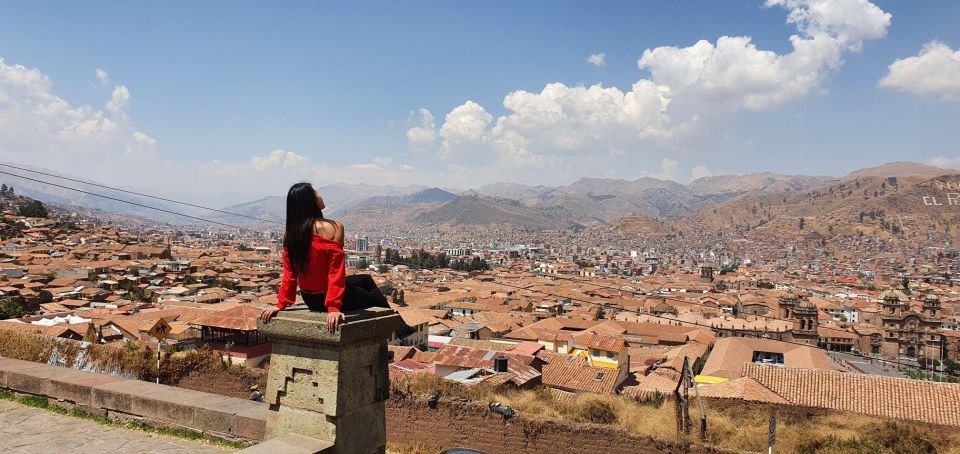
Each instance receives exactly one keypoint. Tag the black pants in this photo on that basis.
(361, 292)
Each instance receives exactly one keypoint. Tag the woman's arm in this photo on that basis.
(336, 280)
(287, 295)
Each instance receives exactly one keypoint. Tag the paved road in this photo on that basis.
(870, 367)
(30, 430)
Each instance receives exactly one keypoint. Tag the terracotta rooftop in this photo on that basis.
(243, 318)
(731, 353)
(876, 395)
(573, 374)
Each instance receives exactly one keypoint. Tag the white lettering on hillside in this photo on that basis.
(953, 198)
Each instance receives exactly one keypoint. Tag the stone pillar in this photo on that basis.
(327, 386)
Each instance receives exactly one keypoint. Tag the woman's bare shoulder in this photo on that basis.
(329, 229)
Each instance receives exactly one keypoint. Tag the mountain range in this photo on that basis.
(647, 202)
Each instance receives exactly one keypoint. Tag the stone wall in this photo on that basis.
(409, 421)
(134, 400)
(472, 425)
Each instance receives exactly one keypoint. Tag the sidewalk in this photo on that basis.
(30, 430)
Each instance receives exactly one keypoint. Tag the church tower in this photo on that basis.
(931, 306)
(891, 303)
(805, 322)
(788, 302)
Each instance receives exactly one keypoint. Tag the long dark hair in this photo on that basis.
(302, 213)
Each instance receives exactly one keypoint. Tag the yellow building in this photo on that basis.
(603, 351)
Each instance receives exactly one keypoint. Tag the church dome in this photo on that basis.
(789, 297)
(894, 295)
(806, 304)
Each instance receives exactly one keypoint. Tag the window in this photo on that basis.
(609, 354)
(761, 357)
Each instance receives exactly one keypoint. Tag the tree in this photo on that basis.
(952, 366)
(802, 223)
(378, 252)
(45, 296)
(32, 209)
(906, 285)
(388, 287)
(363, 264)
(10, 309)
(599, 314)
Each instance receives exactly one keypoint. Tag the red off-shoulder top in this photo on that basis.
(326, 273)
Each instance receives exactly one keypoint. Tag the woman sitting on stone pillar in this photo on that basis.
(313, 260)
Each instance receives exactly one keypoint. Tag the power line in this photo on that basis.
(124, 201)
(757, 334)
(112, 188)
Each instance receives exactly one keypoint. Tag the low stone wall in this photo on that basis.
(472, 425)
(409, 421)
(134, 400)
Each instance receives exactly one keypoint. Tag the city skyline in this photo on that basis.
(227, 100)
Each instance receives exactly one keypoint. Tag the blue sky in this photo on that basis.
(337, 85)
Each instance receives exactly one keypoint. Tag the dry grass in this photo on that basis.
(731, 425)
(417, 448)
(200, 369)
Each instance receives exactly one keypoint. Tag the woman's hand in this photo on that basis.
(334, 319)
(267, 314)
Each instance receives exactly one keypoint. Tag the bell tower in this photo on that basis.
(805, 322)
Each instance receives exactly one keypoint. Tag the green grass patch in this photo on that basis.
(35, 401)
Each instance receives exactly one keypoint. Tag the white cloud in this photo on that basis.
(669, 170)
(277, 159)
(40, 128)
(733, 73)
(935, 71)
(102, 77)
(119, 100)
(689, 90)
(699, 172)
(945, 162)
(423, 136)
(464, 127)
(597, 59)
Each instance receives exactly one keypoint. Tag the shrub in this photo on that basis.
(596, 410)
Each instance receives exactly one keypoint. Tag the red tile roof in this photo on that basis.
(876, 395)
(574, 374)
(243, 318)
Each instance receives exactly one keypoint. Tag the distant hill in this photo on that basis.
(60, 195)
(431, 195)
(339, 198)
(886, 207)
(394, 209)
(515, 191)
(641, 224)
(474, 210)
(720, 187)
(270, 208)
(899, 169)
(766, 199)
